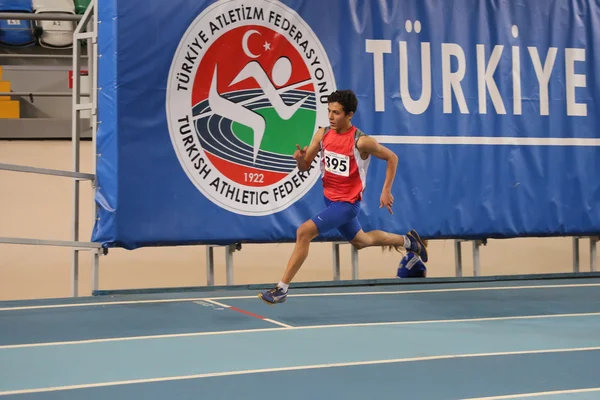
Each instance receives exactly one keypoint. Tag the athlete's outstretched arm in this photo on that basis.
(370, 146)
(304, 157)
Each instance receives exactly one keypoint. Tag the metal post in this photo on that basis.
(90, 68)
(75, 273)
(94, 67)
(95, 269)
(458, 258)
(92, 95)
(46, 171)
(40, 16)
(38, 56)
(476, 264)
(354, 257)
(43, 242)
(75, 136)
(593, 241)
(575, 254)
(336, 261)
(229, 263)
(92, 60)
(36, 94)
(210, 266)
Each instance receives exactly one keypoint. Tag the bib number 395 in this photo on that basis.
(338, 164)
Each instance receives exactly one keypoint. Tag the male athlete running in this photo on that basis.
(345, 156)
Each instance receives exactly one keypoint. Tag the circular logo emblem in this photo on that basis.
(249, 81)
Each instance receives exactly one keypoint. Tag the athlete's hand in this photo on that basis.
(386, 200)
(300, 153)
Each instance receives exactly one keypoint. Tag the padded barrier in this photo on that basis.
(491, 107)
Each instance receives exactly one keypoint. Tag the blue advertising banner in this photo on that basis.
(491, 107)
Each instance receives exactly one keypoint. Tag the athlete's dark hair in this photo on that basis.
(346, 98)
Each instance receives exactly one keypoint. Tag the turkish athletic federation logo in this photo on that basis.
(248, 81)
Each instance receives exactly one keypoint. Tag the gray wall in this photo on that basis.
(31, 78)
(41, 117)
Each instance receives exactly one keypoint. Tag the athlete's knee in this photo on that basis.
(358, 245)
(307, 231)
(361, 240)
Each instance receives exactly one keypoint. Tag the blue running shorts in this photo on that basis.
(340, 215)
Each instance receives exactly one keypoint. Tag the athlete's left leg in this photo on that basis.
(360, 239)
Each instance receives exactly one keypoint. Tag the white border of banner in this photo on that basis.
(486, 140)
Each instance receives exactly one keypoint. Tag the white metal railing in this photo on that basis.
(42, 16)
(354, 264)
(88, 20)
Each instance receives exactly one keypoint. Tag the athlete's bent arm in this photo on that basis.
(304, 157)
(370, 146)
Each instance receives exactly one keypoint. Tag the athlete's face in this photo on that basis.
(338, 119)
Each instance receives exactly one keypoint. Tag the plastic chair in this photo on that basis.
(16, 32)
(55, 34)
(81, 6)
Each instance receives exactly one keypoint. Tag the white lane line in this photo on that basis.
(295, 368)
(537, 394)
(278, 323)
(247, 313)
(307, 327)
(420, 291)
(147, 337)
(191, 299)
(216, 303)
(99, 304)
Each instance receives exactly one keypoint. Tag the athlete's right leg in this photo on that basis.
(411, 241)
(331, 217)
(353, 233)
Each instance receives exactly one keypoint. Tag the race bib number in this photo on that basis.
(338, 164)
